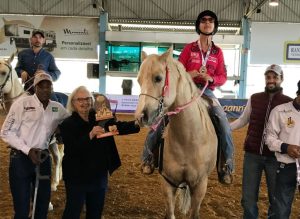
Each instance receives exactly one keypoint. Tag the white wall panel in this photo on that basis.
(267, 41)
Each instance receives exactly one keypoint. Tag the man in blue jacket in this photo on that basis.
(31, 60)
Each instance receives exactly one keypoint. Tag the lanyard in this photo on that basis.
(204, 59)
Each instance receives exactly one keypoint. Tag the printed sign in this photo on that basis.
(69, 37)
(292, 53)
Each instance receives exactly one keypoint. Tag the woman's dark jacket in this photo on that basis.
(87, 160)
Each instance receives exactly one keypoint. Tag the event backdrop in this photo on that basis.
(66, 37)
(128, 103)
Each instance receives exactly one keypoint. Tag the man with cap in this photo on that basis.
(258, 158)
(27, 129)
(31, 60)
(283, 137)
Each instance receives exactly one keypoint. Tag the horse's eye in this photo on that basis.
(157, 79)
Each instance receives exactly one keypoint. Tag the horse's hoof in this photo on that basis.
(147, 169)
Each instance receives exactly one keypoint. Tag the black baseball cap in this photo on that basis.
(34, 32)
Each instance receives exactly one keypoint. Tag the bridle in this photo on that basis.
(165, 92)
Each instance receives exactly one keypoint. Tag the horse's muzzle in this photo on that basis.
(144, 118)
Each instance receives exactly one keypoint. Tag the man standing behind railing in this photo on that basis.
(31, 60)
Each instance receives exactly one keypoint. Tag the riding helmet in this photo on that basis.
(207, 13)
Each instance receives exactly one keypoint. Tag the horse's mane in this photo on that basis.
(185, 80)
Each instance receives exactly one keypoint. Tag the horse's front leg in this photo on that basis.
(169, 195)
(53, 147)
(197, 195)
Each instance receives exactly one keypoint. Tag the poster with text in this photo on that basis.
(65, 37)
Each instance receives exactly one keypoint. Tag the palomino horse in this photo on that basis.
(190, 149)
(10, 90)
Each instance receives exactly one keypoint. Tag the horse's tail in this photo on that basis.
(184, 199)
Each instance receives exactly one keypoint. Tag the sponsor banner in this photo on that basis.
(233, 107)
(65, 37)
(128, 103)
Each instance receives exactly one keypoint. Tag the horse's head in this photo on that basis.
(10, 86)
(157, 80)
(5, 75)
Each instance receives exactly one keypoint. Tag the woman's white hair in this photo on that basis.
(70, 106)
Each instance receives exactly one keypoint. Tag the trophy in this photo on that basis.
(103, 115)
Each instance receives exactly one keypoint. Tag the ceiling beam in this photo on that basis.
(259, 5)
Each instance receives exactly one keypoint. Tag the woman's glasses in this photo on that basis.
(82, 100)
(204, 20)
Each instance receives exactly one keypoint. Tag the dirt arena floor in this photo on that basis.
(132, 195)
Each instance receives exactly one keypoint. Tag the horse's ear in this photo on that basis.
(169, 54)
(144, 56)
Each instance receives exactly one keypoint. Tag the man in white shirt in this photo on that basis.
(283, 137)
(27, 129)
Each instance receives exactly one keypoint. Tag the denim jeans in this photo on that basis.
(22, 182)
(285, 190)
(152, 140)
(226, 142)
(91, 194)
(254, 166)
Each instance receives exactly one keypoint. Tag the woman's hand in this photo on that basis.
(97, 130)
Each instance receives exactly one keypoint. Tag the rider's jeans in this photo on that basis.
(22, 182)
(152, 141)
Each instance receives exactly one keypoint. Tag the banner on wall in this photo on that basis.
(292, 51)
(66, 37)
(128, 103)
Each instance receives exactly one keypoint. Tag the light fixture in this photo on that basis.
(273, 3)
